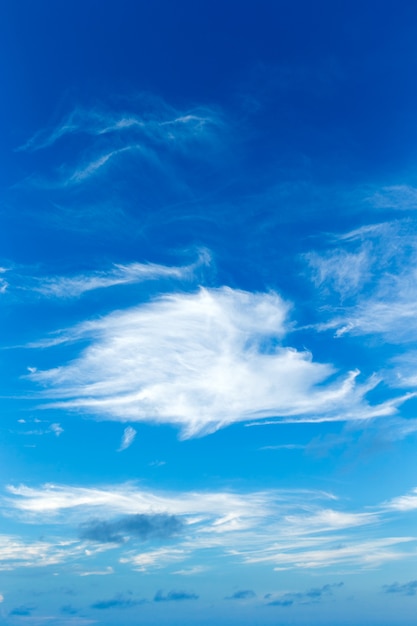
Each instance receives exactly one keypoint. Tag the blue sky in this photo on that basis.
(208, 288)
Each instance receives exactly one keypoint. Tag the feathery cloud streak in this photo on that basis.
(202, 361)
(74, 286)
(128, 438)
(159, 122)
(283, 529)
(152, 136)
(372, 270)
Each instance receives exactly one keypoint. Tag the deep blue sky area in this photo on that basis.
(208, 286)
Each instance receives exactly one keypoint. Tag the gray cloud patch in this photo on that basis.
(173, 596)
(304, 597)
(406, 589)
(243, 594)
(119, 601)
(158, 526)
(23, 610)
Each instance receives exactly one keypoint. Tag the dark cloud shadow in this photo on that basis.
(406, 589)
(311, 596)
(120, 601)
(22, 611)
(174, 596)
(243, 594)
(144, 527)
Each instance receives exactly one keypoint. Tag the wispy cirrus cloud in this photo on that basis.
(150, 135)
(128, 438)
(280, 529)
(92, 167)
(338, 552)
(203, 361)
(3, 282)
(63, 502)
(372, 269)
(16, 552)
(404, 503)
(154, 559)
(400, 197)
(119, 274)
(192, 571)
(157, 121)
(108, 571)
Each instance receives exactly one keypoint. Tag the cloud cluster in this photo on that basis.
(141, 526)
(151, 133)
(304, 597)
(243, 594)
(158, 122)
(406, 589)
(174, 596)
(23, 610)
(397, 197)
(119, 274)
(202, 361)
(3, 282)
(17, 552)
(120, 601)
(373, 270)
(281, 529)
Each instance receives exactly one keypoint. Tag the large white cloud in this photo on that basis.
(202, 361)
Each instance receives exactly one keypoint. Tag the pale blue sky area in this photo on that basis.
(208, 243)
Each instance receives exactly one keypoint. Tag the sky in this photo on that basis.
(208, 286)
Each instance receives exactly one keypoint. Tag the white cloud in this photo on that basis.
(54, 428)
(15, 552)
(365, 554)
(396, 320)
(157, 122)
(375, 267)
(91, 168)
(151, 135)
(286, 529)
(407, 502)
(162, 557)
(119, 274)
(398, 197)
(192, 571)
(129, 435)
(202, 361)
(53, 500)
(4, 285)
(345, 272)
(104, 572)
(57, 429)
